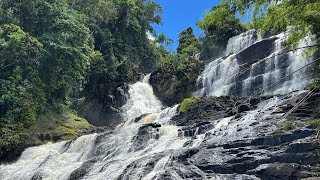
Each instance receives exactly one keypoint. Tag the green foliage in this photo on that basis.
(50, 125)
(287, 125)
(180, 70)
(66, 41)
(188, 43)
(315, 123)
(163, 40)
(119, 29)
(256, 7)
(219, 25)
(22, 94)
(53, 52)
(187, 102)
(301, 16)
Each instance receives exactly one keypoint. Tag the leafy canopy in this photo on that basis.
(219, 25)
(188, 43)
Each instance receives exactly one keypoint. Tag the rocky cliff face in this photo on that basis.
(252, 142)
(106, 113)
(172, 85)
(167, 90)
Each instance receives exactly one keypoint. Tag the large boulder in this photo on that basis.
(107, 113)
(207, 109)
(166, 89)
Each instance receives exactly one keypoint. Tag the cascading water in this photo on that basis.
(123, 153)
(242, 41)
(217, 77)
(141, 101)
(148, 145)
(142, 151)
(256, 67)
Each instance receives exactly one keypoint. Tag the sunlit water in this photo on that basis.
(274, 74)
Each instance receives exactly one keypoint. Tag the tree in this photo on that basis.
(178, 72)
(22, 94)
(301, 16)
(219, 25)
(66, 41)
(257, 7)
(188, 43)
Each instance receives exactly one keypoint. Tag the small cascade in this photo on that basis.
(259, 66)
(141, 100)
(217, 77)
(241, 41)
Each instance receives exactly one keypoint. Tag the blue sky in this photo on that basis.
(179, 14)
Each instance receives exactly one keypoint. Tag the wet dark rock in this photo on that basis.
(207, 109)
(136, 170)
(171, 86)
(259, 149)
(107, 112)
(282, 171)
(139, 76)
(275, 171)
(256, 52)
(243, 108)
(187, 154)
(82, 170)
(121, 94)
(37, 176)
(282, 138)
(199, 128)
(145, 133)
(302, 147)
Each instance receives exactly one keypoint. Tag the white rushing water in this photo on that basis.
(241, 41)
(274, 74)
(218, 76)
(141, 100)
(137, 151)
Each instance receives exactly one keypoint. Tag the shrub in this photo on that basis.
(187, 102)
(287, 125)
(314, 124)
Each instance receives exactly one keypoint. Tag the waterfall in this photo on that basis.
(113, 155)
(148, 145)
(241, 41)
(141, 100)
(217, 77)
(256, 66)
(145, 151)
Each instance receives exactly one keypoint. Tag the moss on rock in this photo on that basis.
(50, 127)
(187, 102)
(55, 127)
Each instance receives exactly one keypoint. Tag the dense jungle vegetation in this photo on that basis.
(54, 53)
